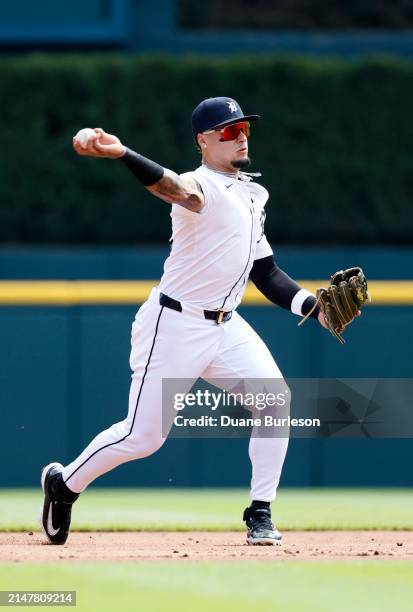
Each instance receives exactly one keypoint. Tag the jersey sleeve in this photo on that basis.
(204, 187)
(263, 248)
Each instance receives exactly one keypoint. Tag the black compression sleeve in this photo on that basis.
(146, 171)
(277, 286)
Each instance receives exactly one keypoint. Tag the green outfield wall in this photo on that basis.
(64, 372)
(334, 144)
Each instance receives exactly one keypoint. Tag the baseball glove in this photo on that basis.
(343, 299)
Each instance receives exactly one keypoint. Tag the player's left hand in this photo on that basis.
(322, 321)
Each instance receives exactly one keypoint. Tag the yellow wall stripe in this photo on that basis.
(72, 293)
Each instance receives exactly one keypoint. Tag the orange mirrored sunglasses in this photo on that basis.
(231, 132)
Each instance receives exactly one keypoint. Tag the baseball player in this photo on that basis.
(189, 327)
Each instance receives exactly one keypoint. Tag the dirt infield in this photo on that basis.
(155, 546)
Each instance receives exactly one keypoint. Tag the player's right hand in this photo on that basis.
(100, 145)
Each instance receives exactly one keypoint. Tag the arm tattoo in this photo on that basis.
(174, 189)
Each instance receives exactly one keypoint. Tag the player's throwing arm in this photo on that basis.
(160, 181)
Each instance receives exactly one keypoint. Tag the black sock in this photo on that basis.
(259, 504)
(62, 492)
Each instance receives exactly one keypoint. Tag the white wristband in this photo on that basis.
(298, 301)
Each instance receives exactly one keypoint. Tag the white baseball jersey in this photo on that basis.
(212, 255)
(213, 251)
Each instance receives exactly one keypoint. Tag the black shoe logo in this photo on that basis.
(228, 186)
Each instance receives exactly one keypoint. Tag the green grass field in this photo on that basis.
(180, 586)
(216, 509)
(224, 587)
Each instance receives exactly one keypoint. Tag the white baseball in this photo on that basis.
(84, 135)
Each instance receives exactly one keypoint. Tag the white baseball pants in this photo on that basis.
(171, 344)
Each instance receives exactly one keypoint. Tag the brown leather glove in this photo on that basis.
(341, 302)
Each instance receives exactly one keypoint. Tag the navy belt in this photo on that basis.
(219, 316)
